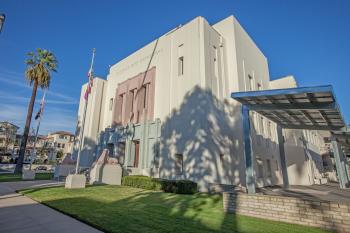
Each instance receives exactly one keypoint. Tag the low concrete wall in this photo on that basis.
(327, 215)
(106, 174)
(64, 170)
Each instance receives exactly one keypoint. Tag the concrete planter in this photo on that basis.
(75, 181)
(28, 175)
(106, 174)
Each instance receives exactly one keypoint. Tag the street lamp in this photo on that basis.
(2, 21)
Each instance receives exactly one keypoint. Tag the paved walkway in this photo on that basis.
(324, 192)
(21, 214)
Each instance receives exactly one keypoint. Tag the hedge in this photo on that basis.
(143, 182)
(169, 186)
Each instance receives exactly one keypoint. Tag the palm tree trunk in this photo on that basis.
(22, 149)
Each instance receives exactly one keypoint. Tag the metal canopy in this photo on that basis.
(343, 139)
(312, 108)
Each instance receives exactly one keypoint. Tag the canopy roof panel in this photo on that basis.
(296, 108)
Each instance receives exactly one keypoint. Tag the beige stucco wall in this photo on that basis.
(94, 113)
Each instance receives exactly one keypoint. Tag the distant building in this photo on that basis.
(7, 138)
(59, 141)
(46, 147)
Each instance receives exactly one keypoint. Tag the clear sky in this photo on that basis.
(308, 39)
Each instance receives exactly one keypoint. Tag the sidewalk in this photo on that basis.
(21, 214)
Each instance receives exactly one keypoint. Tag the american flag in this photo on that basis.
(90, 84)
(41, 110)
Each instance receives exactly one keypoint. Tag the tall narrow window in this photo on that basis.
(178, 164)
(110, 104)
(260, 170)
(277, 168)
(181, 66)
(269, 132)
(216, 67)
(132, 96)
(180, 60)
(145, 96)
(269, 170)
(250, 83)
(261, 125)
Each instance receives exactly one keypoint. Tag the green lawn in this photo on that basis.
(18, 177)
(127, 209)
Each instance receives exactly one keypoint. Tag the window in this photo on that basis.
(59, 145)
(216, 67)
(259, 86)
(250, 83)
(277, 167)
(178, 164)
(269, 129)
(61, 136)
(269, 170)
(132, 96)
(222, 158)
(261, 125)
(63, 145)
(121, 152)
(181, 66)
(145, 96)
(260, 170)
(110, 104)
(180, 62)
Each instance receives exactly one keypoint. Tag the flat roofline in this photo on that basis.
(284, 91)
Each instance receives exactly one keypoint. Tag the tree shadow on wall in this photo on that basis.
(206, 132)
(88, 151)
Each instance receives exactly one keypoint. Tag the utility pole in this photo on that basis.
(33, 157)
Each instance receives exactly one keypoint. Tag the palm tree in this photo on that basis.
(40, 65)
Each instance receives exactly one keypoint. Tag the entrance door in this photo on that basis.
(137, 153)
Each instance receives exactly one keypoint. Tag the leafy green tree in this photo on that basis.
(40, 65)
(59, 154)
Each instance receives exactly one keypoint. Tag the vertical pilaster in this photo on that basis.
(339, 164)
(282, 153)
(248, 152)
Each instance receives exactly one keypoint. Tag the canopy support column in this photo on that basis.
(248, 152)
(340, 164)
(282, 157)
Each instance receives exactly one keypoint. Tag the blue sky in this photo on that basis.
(308, 39)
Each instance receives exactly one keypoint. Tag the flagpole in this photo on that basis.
(81, 136)
(37, 130)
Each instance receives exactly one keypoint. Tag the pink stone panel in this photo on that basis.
(135, 91)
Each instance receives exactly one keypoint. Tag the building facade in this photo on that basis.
(166, 111)
(59, 141)
(7, 139)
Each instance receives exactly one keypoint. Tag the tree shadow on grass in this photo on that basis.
(147, 211)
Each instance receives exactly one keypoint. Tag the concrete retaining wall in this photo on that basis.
(327, 215)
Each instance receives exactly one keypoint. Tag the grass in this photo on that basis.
(18, 177)
(127, 209)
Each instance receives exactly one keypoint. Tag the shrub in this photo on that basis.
(185, 187)
(143, 182)
(169, 186)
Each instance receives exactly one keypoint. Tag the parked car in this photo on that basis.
(41, 168)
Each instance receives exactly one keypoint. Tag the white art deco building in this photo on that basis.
(166, 111)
